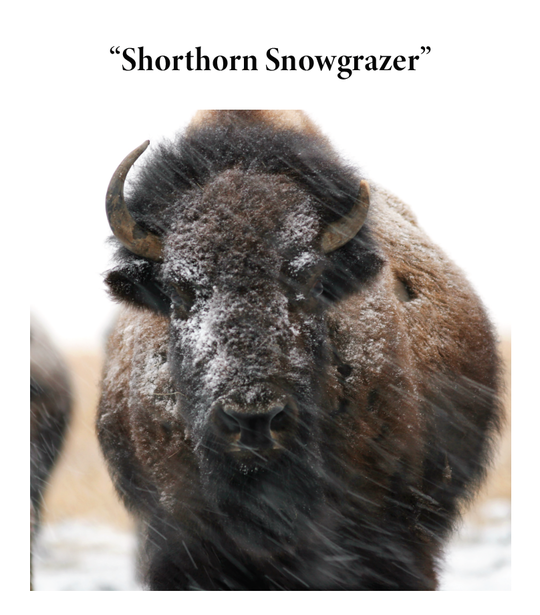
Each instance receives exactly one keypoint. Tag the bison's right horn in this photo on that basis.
(342, 231)
(124, 227)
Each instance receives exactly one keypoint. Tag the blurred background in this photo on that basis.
(446, 139)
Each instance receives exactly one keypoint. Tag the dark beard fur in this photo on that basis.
(265, 509)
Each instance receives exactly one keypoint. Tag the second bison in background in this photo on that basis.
(51, 406)
(301, 389)
(51, 402)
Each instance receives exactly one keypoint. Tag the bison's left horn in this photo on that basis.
(342, 231)
(124, 227)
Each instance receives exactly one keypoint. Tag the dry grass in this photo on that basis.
(80, 486)
(499, 484)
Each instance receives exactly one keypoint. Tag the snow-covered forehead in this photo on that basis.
(241, 222)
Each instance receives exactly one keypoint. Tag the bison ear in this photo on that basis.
(137, 286)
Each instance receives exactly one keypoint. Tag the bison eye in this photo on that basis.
(181, 299)
(317, 289)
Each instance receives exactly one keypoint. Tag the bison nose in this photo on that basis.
(253, 429)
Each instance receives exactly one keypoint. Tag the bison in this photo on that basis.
(51, 403)
(301, 390)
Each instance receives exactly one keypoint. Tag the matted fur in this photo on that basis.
(394, 369)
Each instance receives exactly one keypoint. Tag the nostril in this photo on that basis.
(281, 419)
(278, 422)
(226, 423)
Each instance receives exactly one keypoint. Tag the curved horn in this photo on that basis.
(344, 229)
(124, 227)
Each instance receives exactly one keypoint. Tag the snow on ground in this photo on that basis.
(478, 558)
(76, 555)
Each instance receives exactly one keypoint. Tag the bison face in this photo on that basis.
(247, 347)
(241, 274)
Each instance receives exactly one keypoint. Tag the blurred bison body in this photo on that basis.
(50, 411)
(301, 389)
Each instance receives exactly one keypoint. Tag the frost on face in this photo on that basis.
(155, 378)
(234, 251)
(303, 261)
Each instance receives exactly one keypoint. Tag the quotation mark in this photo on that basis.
(117, 50)
(424, 50)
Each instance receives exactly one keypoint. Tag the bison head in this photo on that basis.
(245, 260)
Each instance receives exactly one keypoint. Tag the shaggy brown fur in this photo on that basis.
(382, 349)
(50, 411)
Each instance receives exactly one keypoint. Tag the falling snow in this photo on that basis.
(78, 556)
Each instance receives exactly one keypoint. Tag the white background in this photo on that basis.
(440, 137)
(457, 139)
